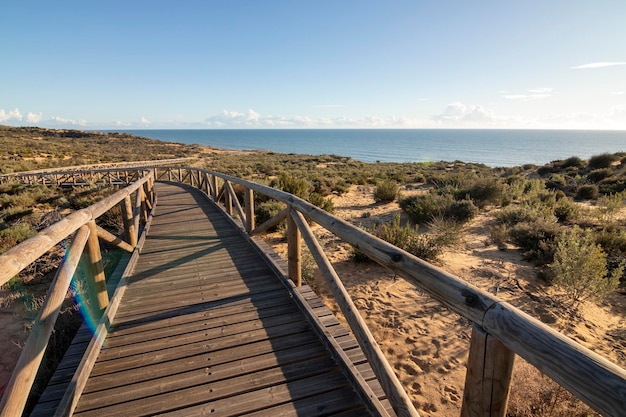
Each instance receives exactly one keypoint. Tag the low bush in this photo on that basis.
(423, 246)
(15, 234)
(587, 192)
(482, 192)
(598, 175)
(604, 160)
(296, 186)
(566, 211)
(572, 161)
(267, 210)
(536, 239)
(325, 204)
(386, 191)
(424, 208)
(580, 266)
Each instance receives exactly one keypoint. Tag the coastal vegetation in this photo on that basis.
(567, 217)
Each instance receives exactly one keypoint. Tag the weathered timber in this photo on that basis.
(399, 399)
(21, 382)
(488, 378)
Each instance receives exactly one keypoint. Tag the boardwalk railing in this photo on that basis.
(81, 227)
(500, 330)
(118, 173)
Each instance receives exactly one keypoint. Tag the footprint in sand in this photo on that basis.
(452, 393)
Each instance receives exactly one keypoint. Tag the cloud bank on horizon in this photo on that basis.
(288, 64)
(455, 115)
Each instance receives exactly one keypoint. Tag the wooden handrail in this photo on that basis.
(21, 381)
(84, 248)
(20, 256)
(592, 378)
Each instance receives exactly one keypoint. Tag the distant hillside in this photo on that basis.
(29, 148)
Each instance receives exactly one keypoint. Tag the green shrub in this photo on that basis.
(572, 161)
(604, 160)
(536, 239)
(587, 192)
(482, 192)
(386, 191)
(407, 238)
(598, 175)
(499, 235)
(296, 186)
(579, 266)
(15, 234)
(325, 204)
(424, 208)
(566, 210)
(460, 211)
(267, 210)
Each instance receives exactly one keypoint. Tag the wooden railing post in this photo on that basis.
(129, 225)
(137, 209)
(96, 280)
(228, 201)
(169, 174)
(294, 251)
(214, 189)
(488, 378)
(248, 197)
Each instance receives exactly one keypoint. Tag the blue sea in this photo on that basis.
(496, 148)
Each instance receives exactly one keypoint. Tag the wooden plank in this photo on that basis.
(276, 347)
(255, 368)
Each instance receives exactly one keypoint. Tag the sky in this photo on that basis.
(155, 64)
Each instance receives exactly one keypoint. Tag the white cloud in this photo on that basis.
(532, 94)
(617, 93)
(458, 114)
(328, 106)
(145, 121)
(10, 115)
(33, 117)
(598, 65)
(56, 120)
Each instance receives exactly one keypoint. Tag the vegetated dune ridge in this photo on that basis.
(426, 344)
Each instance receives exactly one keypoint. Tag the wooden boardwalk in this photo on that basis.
(207, 327)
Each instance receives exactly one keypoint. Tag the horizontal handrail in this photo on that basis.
(95, 167)
(595, 380)
(84, 248)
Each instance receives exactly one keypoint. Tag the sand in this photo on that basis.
(424, 342)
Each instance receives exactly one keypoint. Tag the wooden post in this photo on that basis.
(169, 174)
(488, 378)
(192, 180)
(207, 187)
(180, 175)
(248, 201)
(294, 252)
(228, 201)
(95, 270)
(129, 226)
(137, 209)
(214, 189)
